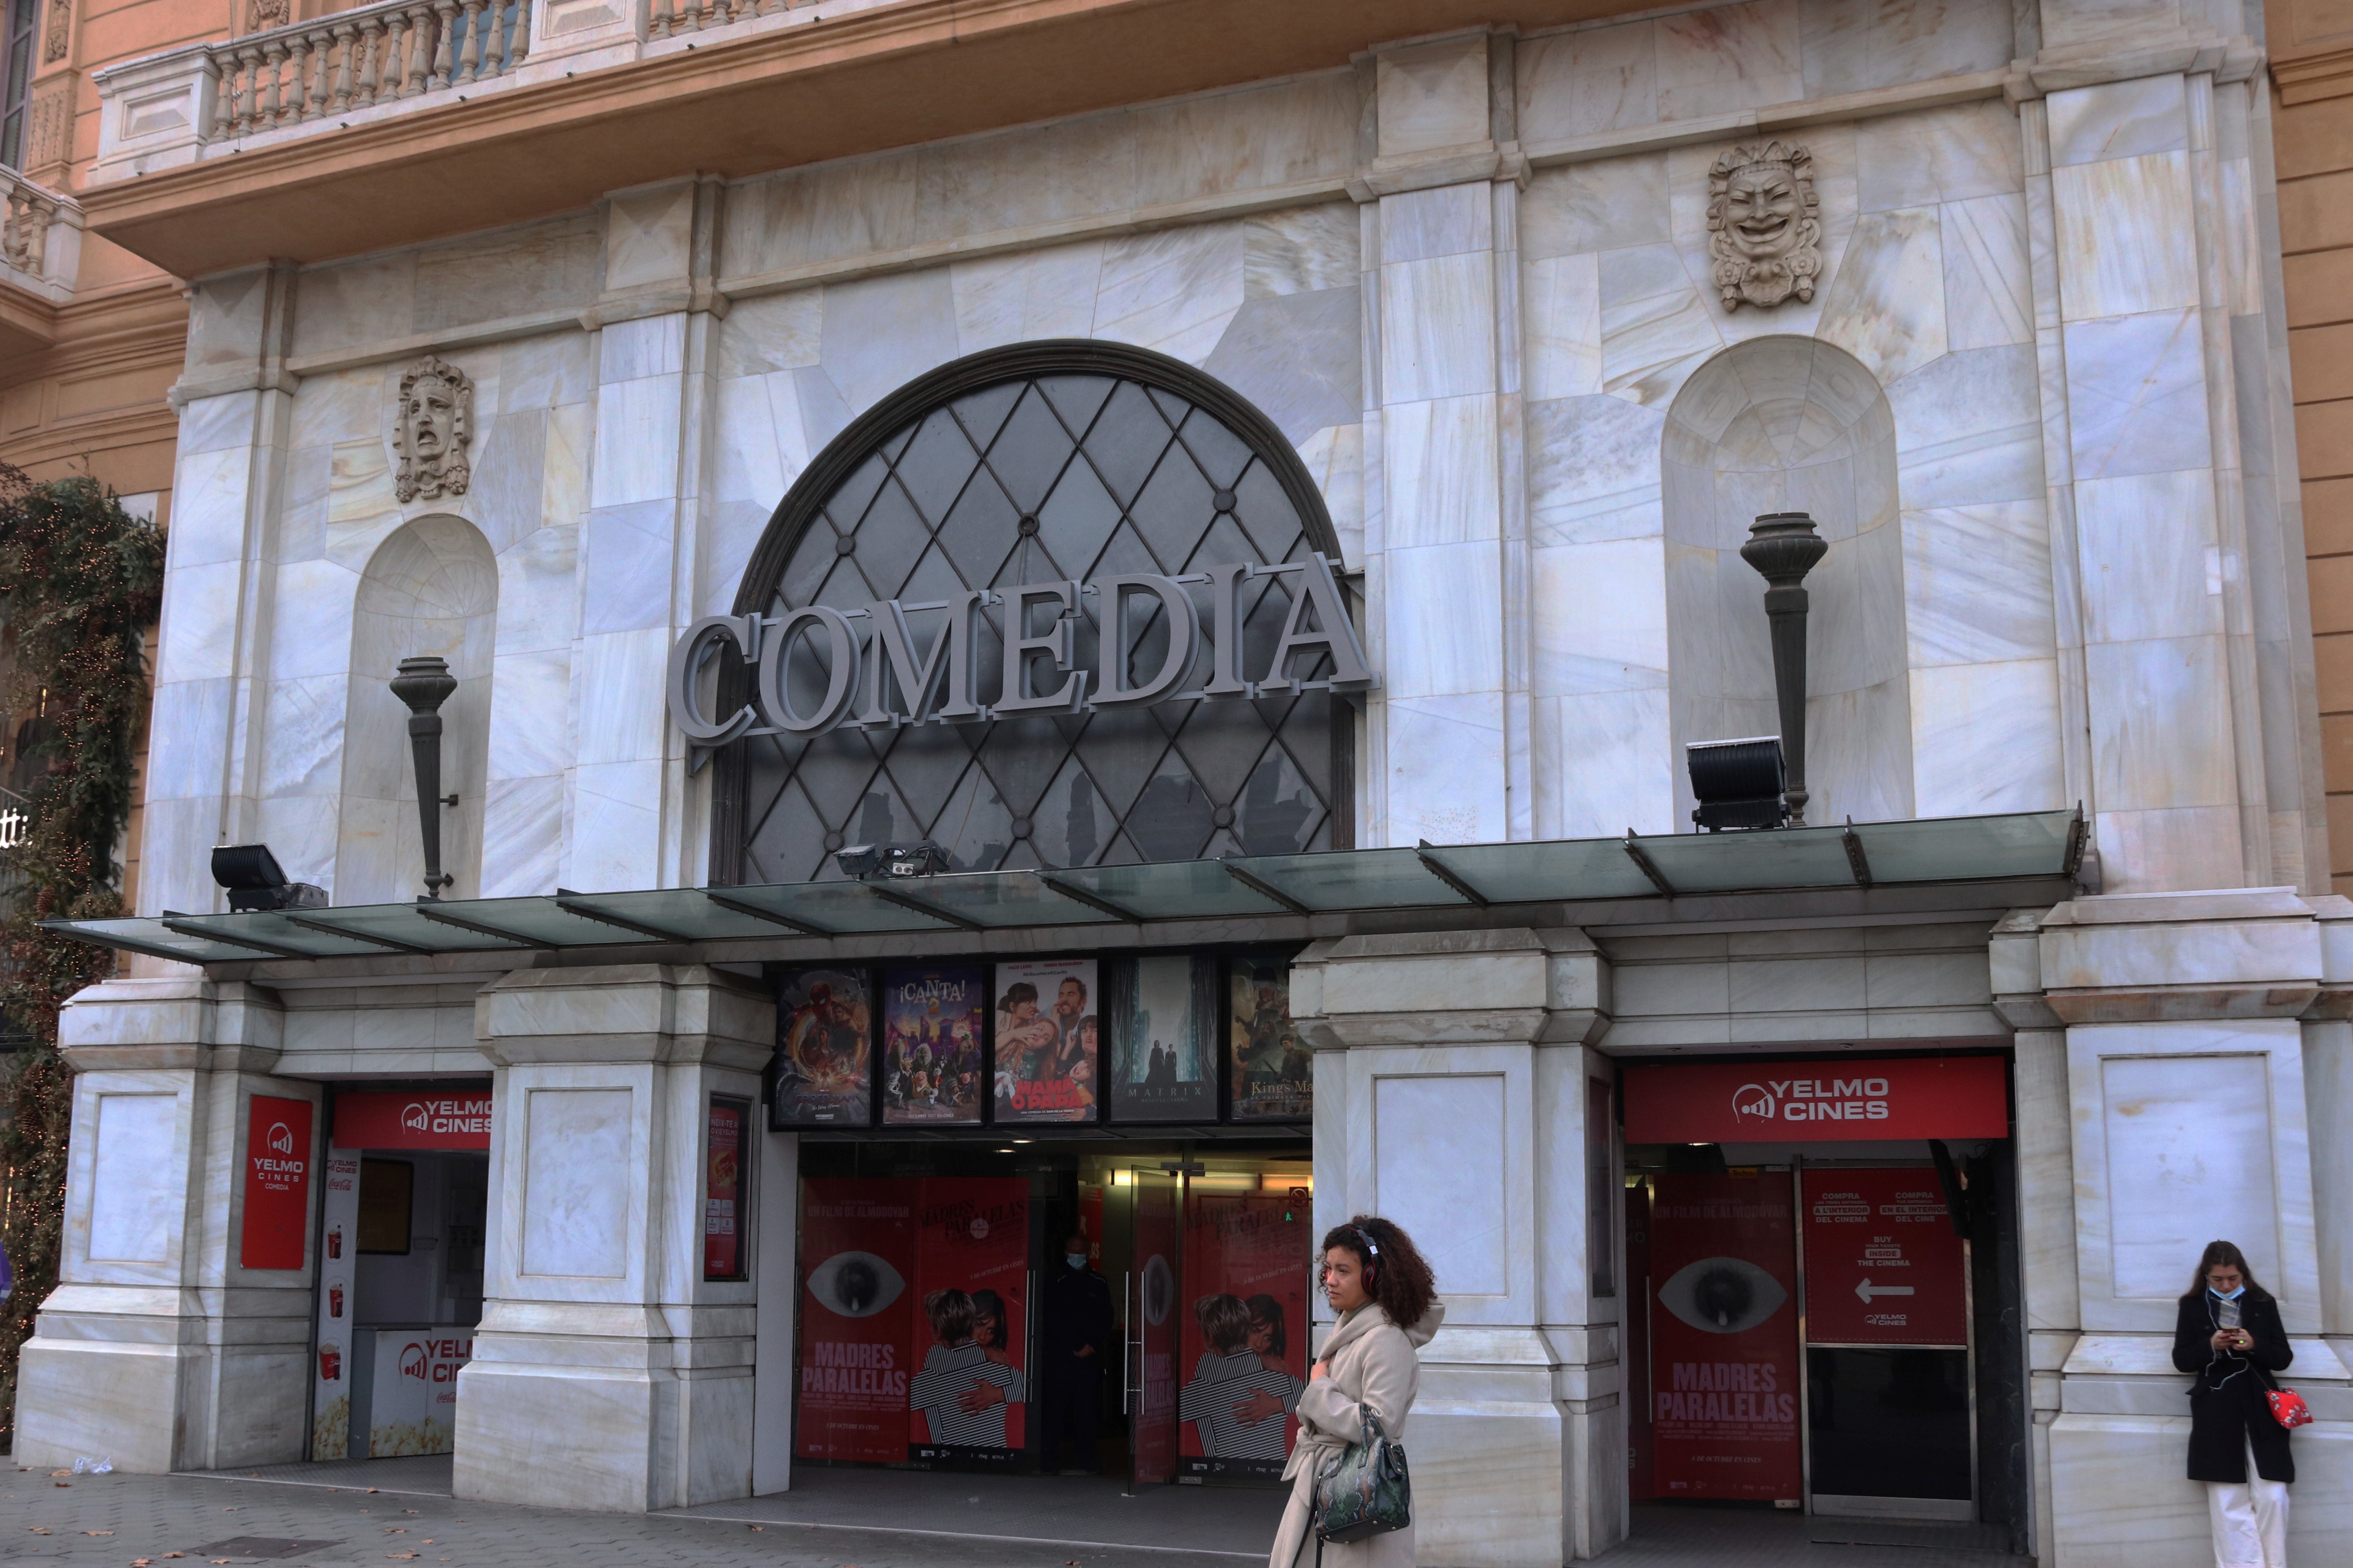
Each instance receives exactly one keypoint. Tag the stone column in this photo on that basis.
(159, 1350)
(1456, 1094)
(1448, 556)
(607, 1373)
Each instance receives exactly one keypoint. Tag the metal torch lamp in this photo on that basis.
(1784, 547)
(425, 683)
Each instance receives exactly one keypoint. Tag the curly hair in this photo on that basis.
(1396, 1275)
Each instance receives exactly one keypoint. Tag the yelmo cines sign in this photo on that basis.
(873, 677)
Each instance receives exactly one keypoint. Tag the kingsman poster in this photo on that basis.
(1273, 1077)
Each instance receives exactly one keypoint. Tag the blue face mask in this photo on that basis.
(2231, 1296)
(1076, 1259)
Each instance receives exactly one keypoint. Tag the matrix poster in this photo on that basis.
(825, 1050)
(1723, 1338)
(1244, 1335)
(1049, 1041)
(858, 1254)
(933, 1023)
(971, 1319)
(1273, 1077)
(1164, 1056)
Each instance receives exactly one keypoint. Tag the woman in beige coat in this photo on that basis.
(1386, 1298)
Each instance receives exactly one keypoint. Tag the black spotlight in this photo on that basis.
(251, 874)
(864, 860)
(1737, 783)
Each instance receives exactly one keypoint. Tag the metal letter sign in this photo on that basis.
(817, 670)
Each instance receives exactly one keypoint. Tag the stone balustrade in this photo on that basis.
(359, 59)
(40, 237)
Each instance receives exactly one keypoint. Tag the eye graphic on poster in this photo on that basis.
(824, 1069)
(1722, 1295)
(1049, 1041)
(855, 1284)
(1159, 1290)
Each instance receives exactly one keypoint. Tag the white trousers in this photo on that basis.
(2249, 1520)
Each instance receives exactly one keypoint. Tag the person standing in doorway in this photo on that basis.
(1078, 1348)
(1388, 1309)
(2229, 1334)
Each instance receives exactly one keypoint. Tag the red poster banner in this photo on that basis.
(1883, 1265)
(1159, 1238)
(1723, 1338)
(971, 1320)
(436, 1118)
(1243, 1334)
(277, 1183)
(1831, 1099)
(857, 1252)
(723, 1189)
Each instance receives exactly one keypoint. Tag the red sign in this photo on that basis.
(1828, 1098)
(1883, 1265)
(858, 1247)
(1723, 1338)
(439, 1119)
(1242, 1335)
(968, 1398)
(723, 1187)
(277, 1183)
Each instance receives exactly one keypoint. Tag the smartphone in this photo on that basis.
(2229, 1316)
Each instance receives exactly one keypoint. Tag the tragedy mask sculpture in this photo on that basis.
(435, 423)
(1764, 224)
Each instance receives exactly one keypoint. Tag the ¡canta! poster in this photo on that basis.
(1723, 1338)
(1244, 1334)
(1163, 1053)
(971, 1319)
(932, 1023)
(1273, 1077)
(1049, 1041)
(825, 1050)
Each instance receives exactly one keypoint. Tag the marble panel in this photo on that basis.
(2162, 849)
(2119, 119)
(136, 1195)
(1172, 290)
(1859, 752)
(310, 619)
(2136, 394)
(636, 443)
(361, 505)
(625, 722)
(1436, 328)
(1937, 156)
(647, 346)
(615, 829)
(731, 529)
(1018, 179)
(1432, 95)
(300, 831)
(550, 266)
(223, 424)
(2162, 726)
(1588, 79)
(1434, 647)
(1600, 615)
(775, 332)
(1445, 774)
(570, 439)
(1656, 325)
(2149, 565)
(838, 210)
(197, 638)
(2126, 235)
(648, 235)
(1985, 738)
(1025, 295)
(2188, 1145)
(1969, 430)
(304, 752)
(576, 1145)
(761, 446)
(1283, 133)
(550, 370)
(1988, 286)
(1886, 303)
(531, 704)
(1853, 45)
(355, 302)
(343, 405)
(1446, 220)
(1561, 308)
(1455, 1203)
(1607, 205)
(1439, 468)
(2118, 1501)
(825, 413)
(1728, 58)
(176, 842)
(209, 492)
(1976, 583)
(1334, 458)
(538, 598)
(1300, 250)
(1593, 470)
(522, 836)
(1297, 357)
(190, 723)
(1609, 764)
(510, 474)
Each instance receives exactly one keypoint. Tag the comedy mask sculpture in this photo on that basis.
(436, 421)
(1764, 224)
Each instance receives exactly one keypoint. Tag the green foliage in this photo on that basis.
(80, 581)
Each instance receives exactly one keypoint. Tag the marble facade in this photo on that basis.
(2036, 399)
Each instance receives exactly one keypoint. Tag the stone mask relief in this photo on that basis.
(435, 423)
(1764, 224)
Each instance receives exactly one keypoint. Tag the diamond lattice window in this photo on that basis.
(1033, 478)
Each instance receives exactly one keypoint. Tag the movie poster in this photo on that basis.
(858, 1254)
(1159, 1242)
(824, 1071)
(971, 1321)
(1723, 1338)
(1163, 1053)
(1243, 1334)
(932, 1021)
(1273, 1075)
(1049, 1041)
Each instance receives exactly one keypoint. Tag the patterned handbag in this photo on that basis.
(2288, 1407)
(1364, 1491)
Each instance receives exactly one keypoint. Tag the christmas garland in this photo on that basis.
(80, 582)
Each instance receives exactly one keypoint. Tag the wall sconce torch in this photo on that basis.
(1784, 547)
(425, 683)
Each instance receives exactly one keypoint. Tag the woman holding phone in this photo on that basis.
(2228, 1333)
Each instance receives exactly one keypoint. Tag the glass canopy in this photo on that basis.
(1339, 881)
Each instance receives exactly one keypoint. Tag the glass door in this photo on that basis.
(1153, 1318)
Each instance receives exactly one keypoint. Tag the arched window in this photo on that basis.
(1045, 462)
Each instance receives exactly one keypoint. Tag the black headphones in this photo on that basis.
(1372, 1249)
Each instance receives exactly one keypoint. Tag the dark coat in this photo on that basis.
(2227, 1408)
(1078, 1313)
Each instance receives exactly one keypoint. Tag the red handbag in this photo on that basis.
(2288, 1407)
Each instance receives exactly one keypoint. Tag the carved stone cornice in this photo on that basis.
(2306, 75)
(2126, 56)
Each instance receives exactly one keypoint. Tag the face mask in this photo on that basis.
(1076, 1259)
(2231, 1296)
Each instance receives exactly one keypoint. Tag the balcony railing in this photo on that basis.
(357, 59)
(40, 237)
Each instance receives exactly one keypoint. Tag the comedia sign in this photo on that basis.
(820, 668)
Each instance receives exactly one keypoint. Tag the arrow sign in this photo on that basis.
(1867, 1290)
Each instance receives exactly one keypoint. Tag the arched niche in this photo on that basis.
(1789, 424)
(1037, 462)
(432, 588)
